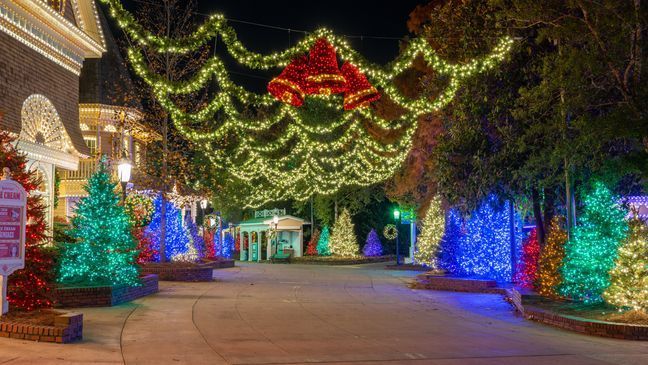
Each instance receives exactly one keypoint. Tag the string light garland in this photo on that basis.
(428, 243)
(303, 159)
(343, 240)
(552, 255)
(323, 248)
(590, 255)
(105, 251)
(527, 268)
(373, 246)
(629, 277)
(390, 232)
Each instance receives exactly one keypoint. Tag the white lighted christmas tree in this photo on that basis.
(429, 242)
(343, 240)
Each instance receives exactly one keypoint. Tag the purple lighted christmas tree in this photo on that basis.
(372, 247)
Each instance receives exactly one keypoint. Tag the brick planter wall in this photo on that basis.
(590, 327)
(104, 296)
(435, 282)
(203, 272)
(220, 264)
(68, 327)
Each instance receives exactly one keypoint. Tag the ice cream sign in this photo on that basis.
(13, 204)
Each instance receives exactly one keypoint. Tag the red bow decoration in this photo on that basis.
(319, 74)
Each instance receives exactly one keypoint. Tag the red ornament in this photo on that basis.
(289, 86)
(324, 76)
(359, 92)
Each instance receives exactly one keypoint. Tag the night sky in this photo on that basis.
(349, 17)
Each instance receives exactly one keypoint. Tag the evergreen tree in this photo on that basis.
(176, 240)
(551, 257)
(373, 246)
(590, 255)
(527, 269)
(105, 251)
(629, 277)
(485, 250)
(228, 246)
(343, 239)
(450, 242)
(323, 248)
(196, 240)
(29, 288)
(311, 249)
(429, 242)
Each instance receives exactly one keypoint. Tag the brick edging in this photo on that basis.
(204, 272)
(587, 326)
(68, 327)
(104, 296)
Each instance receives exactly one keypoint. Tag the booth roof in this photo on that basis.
(268, 220)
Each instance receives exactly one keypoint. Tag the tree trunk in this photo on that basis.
(165, 145)
(549, 208)
(537, 214)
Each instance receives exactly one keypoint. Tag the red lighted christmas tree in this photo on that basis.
(311, 249)
(528, 267)
(31, 287)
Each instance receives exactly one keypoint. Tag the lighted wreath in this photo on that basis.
(315, 131)
(390, 232)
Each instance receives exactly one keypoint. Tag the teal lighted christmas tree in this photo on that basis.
(323, 243)
(105, 252)
(591, 253)
(343, 240)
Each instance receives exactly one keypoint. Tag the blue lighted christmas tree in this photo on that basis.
(590, 254)
(228, 246)
(105, 252)
(485, 249)
(176, 242)
(323, 243)
(372, 247)
(450, 242)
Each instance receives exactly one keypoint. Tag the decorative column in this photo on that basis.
(259, 246)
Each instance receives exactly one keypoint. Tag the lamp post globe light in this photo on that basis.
(124, 172)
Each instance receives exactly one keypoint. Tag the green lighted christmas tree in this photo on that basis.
(590, 255)
(105, 252)
(343, 240)
(323, 248)
(429, 242)
(629, 278)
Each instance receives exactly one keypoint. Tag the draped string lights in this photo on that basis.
(285, 151)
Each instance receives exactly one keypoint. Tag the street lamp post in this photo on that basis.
(275, 221)
(124, 171)
(397, 222)
(203, 206)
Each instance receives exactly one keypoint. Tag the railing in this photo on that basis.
(269, 212)
(86, 168)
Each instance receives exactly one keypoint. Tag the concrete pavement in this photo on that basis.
(293, 314)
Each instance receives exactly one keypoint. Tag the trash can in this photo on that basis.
(254, 252)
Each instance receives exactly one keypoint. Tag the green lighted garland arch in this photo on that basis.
(303, 159)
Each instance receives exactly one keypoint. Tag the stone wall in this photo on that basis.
(171, 272)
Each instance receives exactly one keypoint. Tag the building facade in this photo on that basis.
(43, 47)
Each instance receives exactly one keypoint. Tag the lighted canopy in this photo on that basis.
(280, 151)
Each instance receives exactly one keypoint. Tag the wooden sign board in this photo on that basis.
(13, 220)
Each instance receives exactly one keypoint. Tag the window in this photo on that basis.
(91, 142)
(137, 156)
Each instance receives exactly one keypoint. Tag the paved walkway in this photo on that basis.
(294, 314)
